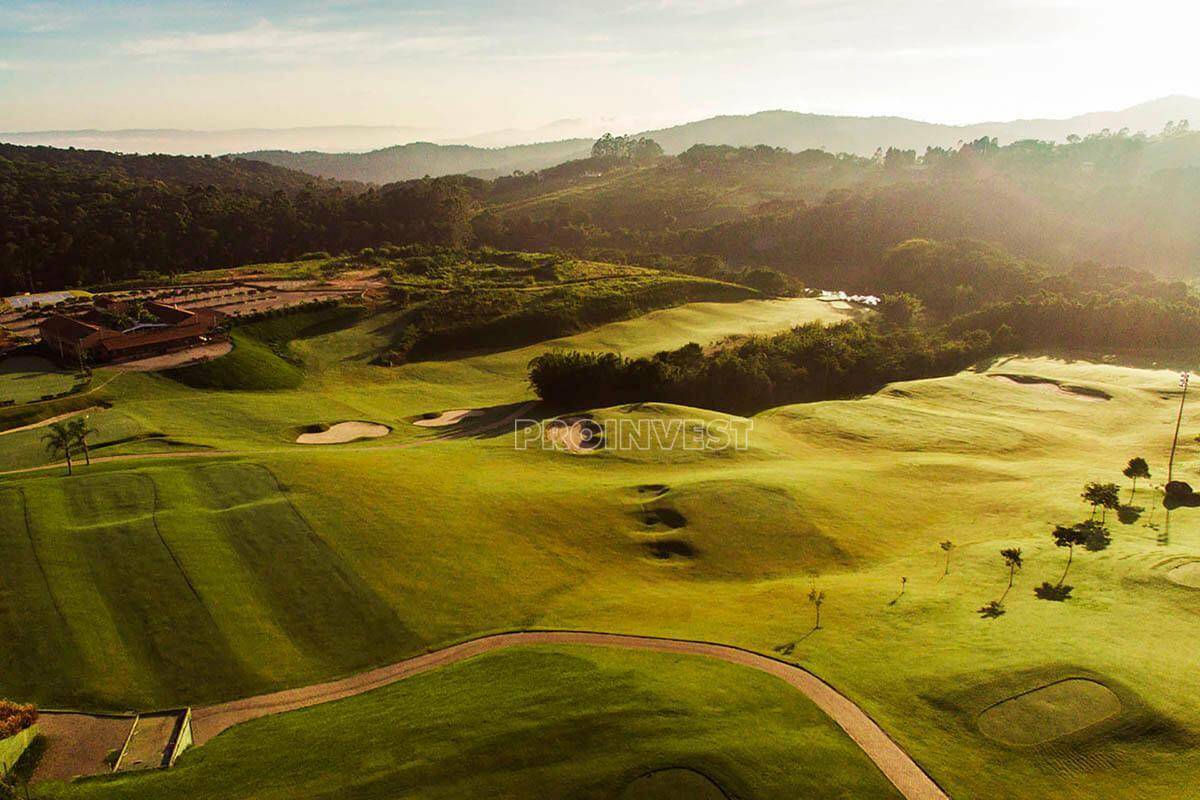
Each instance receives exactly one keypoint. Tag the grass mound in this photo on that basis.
(673, 783)
(1050, 712)
(552, 723)
(251, 366)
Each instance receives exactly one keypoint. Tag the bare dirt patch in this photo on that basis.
(1050, 712)
(344, 432)
(448, 418)
(193, 355)
(77, 744)
(1048, 385)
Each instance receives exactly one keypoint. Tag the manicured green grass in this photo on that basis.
(460, 537)
(531, 722)
(27, 378)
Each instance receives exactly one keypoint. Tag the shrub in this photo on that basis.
(15, 718)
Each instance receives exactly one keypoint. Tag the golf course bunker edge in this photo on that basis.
(672, 783)
(1186, 574)
(1049, 712)
(343, 432)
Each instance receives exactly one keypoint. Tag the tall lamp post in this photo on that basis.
(1183, 384)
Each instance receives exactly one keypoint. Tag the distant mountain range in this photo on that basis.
(302, 148)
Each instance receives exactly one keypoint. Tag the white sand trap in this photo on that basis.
(575, 436)
(447, 418)
(841, 305)
(1047, 385)
(1186, 575)
(345, 432)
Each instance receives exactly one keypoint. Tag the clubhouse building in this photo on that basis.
(121, 330)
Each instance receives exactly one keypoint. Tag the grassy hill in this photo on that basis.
(186, 580)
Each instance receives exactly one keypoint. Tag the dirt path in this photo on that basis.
(51, 420)
(900, 769)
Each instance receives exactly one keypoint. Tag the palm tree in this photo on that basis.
(1138, 468)
(1103, 496)
(59, 439)
(947, 546)
(80, 430)
(817, 598)
(1012, 558)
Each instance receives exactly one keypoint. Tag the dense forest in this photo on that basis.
(83, 217)
(949, 305)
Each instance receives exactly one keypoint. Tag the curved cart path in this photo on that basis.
(900, 769)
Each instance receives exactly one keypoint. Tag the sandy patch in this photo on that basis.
(447, 418)
(51, 420)
(1047, 385)
(345, 432)
(575, 436)
(1186, 575)
(193, 355)
(1050, 712)
(841, 305)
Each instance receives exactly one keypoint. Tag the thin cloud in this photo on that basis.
(265, 40)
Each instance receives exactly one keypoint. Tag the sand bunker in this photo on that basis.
(672, 783)
(447, 418)
(575, 436)
(1045, 384)
(652, 517)
(345, 432)
(1186, 575)
(669, 548)
(1050, 712)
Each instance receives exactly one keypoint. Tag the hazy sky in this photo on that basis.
(467, 66)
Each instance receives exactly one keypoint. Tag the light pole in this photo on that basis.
(1183, 384)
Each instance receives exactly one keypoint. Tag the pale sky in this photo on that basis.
(464, 66)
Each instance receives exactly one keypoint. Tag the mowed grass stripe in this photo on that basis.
(33, 629)
(305, 590)
(137, 622)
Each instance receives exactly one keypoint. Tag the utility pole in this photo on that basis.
(1183, 384)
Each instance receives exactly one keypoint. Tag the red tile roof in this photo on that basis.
(63, 327)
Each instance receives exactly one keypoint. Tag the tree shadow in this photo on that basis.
(1054, 592)
(1127, 515)
(993, 610)
(497, 421)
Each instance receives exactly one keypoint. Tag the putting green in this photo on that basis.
(1050, 712)
(1186, 575)
(674, 783)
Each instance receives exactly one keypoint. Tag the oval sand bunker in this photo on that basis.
(1186, 575)
(345, 432)
(1050, 712)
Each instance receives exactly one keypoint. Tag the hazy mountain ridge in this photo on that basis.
(418, 159)
(791, 130)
